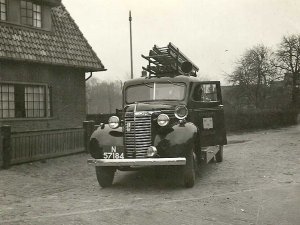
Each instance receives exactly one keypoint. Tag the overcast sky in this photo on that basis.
(213, 34)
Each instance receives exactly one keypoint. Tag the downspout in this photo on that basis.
(91, 74)
(86, 104)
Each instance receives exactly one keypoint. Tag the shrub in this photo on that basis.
(259, 119)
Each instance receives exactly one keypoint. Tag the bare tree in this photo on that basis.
(103, 97)
(253, 74)
(288, 56)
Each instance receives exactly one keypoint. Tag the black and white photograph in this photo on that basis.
(135, 112)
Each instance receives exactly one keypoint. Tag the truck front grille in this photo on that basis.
(169, 112)
(137, 134)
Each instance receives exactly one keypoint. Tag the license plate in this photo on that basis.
(113, 152)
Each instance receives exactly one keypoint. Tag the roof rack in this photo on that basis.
(168, 61)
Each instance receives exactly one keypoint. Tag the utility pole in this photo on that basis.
(131, 61)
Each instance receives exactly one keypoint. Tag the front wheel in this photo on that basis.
(189, 172)
(105, 175)
(219, 155)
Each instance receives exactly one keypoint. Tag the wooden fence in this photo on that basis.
(35, 145)
(20, 147)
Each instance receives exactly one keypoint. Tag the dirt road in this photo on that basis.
(257, 183)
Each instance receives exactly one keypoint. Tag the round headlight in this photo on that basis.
(163, 120)
(181, 112)
(152, 151)
(113, 122)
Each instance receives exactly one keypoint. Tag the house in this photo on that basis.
(43, 61)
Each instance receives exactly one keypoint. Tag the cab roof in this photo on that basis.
(181, 78)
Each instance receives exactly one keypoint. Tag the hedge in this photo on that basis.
(259, 119)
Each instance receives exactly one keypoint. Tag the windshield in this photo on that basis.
(155, 91)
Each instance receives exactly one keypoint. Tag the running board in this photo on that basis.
(209, 152)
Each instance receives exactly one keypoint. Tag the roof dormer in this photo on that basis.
(28, 13)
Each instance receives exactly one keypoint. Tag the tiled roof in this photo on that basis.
(64, 45)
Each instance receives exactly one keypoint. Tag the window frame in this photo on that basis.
(29, 15)
(35, 101)
(204, 94)
(47, 101)
(4, 5)
(5, 104)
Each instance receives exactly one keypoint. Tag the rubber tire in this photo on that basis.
(105, 176)
(189, 171)
(219, 155)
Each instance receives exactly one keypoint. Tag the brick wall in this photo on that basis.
(68, 94)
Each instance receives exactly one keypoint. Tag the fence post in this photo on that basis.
(88, 127)
(6, 144)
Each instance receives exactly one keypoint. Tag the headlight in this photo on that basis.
(163, 120)
(181, 112)
(113, 122)
(152, 151)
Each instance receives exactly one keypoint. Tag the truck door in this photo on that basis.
(206, 111)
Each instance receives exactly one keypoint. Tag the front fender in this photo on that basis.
(176, 140)
(104, 137)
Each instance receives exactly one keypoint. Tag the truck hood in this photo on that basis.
(150, 106)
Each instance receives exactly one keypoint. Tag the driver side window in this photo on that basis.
(205, 93)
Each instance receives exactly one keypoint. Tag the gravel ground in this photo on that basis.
(257, 183)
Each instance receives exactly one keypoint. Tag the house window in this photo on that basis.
(3, 9)
(35, 101)
(31, 13)
(7, 101)
(25, 101)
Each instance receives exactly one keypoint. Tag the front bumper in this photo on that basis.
(138, 162)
